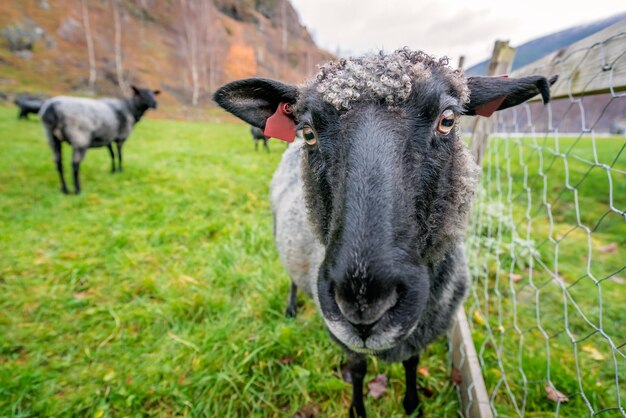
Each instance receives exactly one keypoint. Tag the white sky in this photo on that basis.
(443, 27)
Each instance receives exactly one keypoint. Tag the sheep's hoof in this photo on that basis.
(65, 191)
(357, 411)
(291, 311)
(410, 406)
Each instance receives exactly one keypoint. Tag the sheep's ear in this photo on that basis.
(135, 90)
(254, 99)
(488, 94)
(156, 92)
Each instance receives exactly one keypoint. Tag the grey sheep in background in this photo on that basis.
(371, 206)
(28, 105)
(90, 123)
(257, 135)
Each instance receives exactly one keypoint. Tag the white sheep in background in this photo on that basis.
(371, 206)
(89, 123)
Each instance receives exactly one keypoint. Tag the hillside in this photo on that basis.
(533, 50)
(186, 48)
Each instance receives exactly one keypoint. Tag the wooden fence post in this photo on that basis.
(500, 63)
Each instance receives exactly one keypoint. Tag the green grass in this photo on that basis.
(560, 262)
(158, 291)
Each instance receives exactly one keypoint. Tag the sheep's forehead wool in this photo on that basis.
(388, 77)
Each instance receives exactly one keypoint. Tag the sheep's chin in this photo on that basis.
(373, 344)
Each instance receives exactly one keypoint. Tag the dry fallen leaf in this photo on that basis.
(426, 391)
(456, 376)
(81, 295)
(478, 318)
(187, 280)
(310, 410)
(252, 197)
(378, 386)
(423, 371)
(618, 280)
(555, 395)
(516, 277)
(109, 375)
(609, 248)
(286, 360)
(593, 352)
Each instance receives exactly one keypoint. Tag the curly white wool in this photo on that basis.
(388, 77)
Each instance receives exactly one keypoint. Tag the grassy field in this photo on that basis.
(549, 261)
(158, 291)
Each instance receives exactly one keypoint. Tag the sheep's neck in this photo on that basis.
(136, 109)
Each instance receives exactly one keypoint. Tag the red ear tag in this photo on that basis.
(280, 125)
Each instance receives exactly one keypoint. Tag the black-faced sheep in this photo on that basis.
(258, 135)
(371, 206)
(28, 105)
(89, 123)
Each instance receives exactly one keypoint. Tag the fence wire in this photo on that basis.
(547, 252)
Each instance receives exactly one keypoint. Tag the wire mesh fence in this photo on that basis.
(547, 246)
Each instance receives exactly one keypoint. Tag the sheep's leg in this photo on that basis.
(256, 144)
(77, 156)
(266, 145)
(357, 364)
(292, 304)
(58, 159)
(110, 147)
(411, 401)
(119, 155)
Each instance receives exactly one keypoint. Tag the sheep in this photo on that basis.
(28, 105)
(257, 135)
(370, 207)
(90, 123)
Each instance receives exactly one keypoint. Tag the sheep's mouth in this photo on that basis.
(388, 331)
(385, 338)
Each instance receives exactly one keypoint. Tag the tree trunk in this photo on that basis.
(90, 50)
(118, 47)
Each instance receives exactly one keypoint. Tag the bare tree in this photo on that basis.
(199, 44)
(214, 45)
(191, 25)
(90, 50)
(118, 47)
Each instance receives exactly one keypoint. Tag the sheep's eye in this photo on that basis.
(310, 137)
(446, 121)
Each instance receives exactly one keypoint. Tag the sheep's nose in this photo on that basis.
(363, 307)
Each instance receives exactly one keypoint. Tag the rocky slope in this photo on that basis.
(186, 48)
